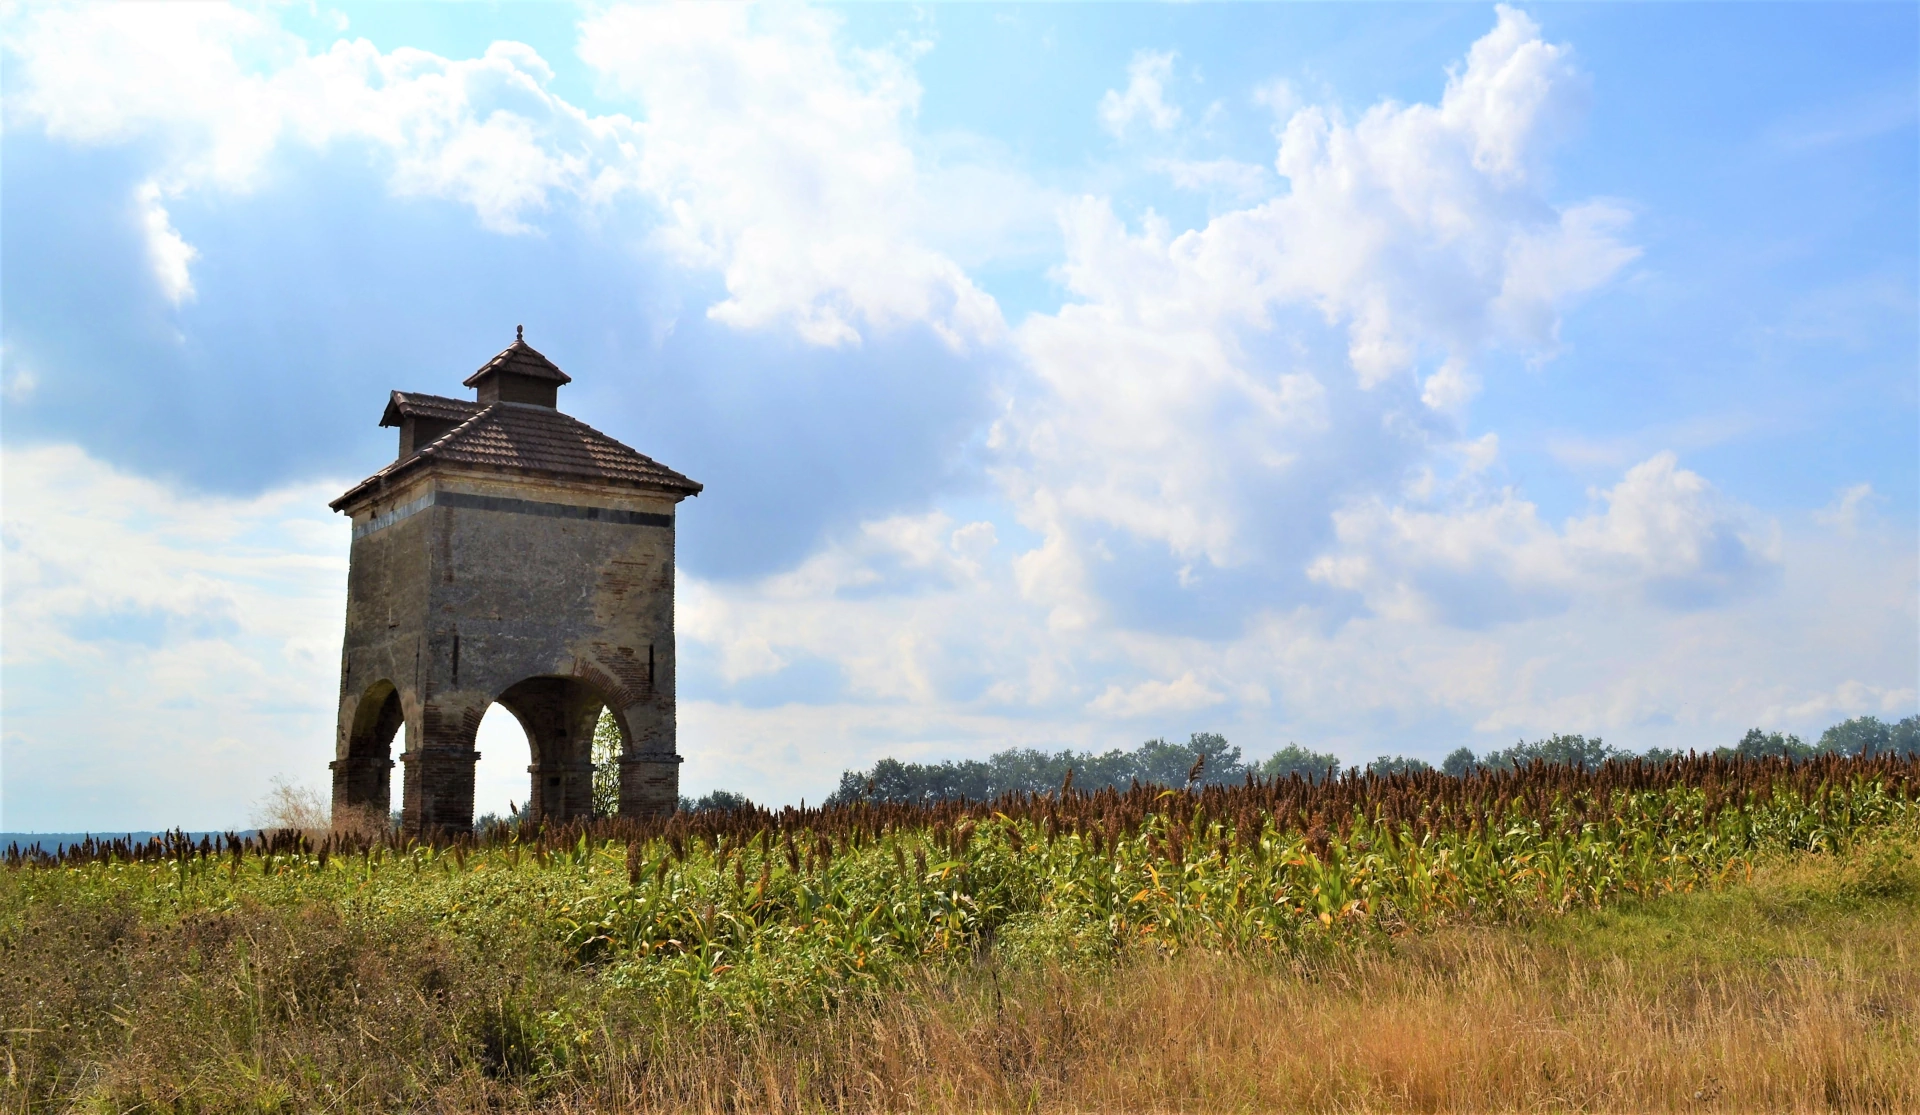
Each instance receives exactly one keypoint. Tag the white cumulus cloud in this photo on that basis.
(1662, 533)
(1145, 95)
(189, 646)
(167, 253)
(1188, 395)
(769, 152)
(784, 162)
(221, 89)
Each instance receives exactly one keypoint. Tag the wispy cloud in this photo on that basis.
(1144, 100)
(1857, 120)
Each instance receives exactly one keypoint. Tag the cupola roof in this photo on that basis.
(521, 359)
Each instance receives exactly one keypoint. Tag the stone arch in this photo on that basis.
(558, 715)
(363, 768)
(643, 710)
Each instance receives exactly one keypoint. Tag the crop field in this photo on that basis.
(1697, 934)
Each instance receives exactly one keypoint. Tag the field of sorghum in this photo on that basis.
(967, 955)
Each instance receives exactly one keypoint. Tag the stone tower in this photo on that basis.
(512, 554)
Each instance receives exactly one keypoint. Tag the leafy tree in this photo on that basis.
(1906, 736)
(1159, 762)
(1171, 764)
(1868, 735)
(606, 766)
(1862, 735)
(1576, 751)
(1294, 759)
(723, 800)
(1028, 770)
(1398, 764)
(1757, 744)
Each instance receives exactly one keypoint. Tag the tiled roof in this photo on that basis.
(414, 404)
(519, 358)
(528, 439)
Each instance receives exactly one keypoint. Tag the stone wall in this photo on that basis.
(484, 588)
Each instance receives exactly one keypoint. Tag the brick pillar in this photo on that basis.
(439, 792)
(438, 800)
(362, 781)
(649, 785)
(561, 791)
(650, 768)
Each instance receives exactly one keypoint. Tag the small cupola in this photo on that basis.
(518, 375)
(423, 419)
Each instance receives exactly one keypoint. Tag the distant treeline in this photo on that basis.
(54, 841)
(1208, 759)
(1863, 735)
(1024, 769)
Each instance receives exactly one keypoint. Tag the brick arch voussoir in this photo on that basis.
(364, 713)
(619, 697)
(456, 725)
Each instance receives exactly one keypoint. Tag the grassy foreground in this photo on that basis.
(1705, 936)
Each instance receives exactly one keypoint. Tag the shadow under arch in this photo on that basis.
(558, 715)
(363, 770)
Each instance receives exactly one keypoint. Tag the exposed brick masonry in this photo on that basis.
(510, 554)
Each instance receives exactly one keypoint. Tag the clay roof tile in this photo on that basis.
(416, 404)
(519, 358)
(526, 438)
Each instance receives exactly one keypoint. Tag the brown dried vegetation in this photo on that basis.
(297, 979)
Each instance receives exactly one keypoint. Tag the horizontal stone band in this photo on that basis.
(511, 506)
(388, 518)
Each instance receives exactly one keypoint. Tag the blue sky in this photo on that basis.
(1380, 378)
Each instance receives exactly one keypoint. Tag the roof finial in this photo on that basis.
(519, 333)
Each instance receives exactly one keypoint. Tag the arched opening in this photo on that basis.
(363, 777)
(500, 775)
(536, 743)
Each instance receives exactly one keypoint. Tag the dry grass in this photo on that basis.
(299, 808)
(359, 824)
(1793, 995)
(1798, 990)
(1473, 1021)
(288, 807)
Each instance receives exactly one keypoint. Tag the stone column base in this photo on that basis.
(649, 785)
(561, 791)
(362, 783)
(439, 792)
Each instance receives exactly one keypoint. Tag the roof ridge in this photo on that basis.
(402, 405)
(519, 358)
(458, 428)
(440, 398)
(528, 438)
